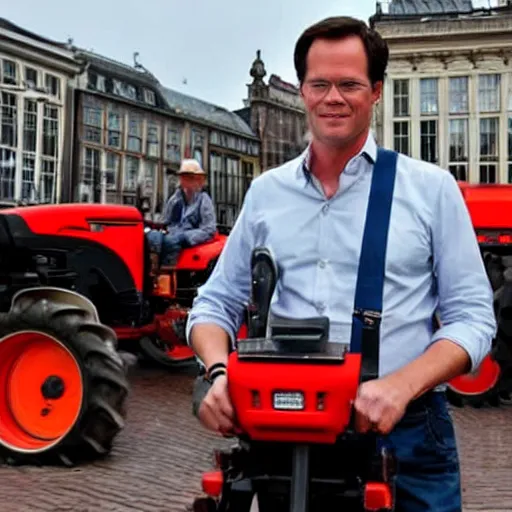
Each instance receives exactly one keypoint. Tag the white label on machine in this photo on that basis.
(289, 400)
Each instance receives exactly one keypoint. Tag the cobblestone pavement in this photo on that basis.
(157, 461)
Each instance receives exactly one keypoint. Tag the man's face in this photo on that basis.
(337, 91)
(191, 183)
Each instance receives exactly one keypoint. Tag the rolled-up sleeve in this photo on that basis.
(465, 294)
(223, 298)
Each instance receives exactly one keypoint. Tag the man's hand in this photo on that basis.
(216, 412)
(380, 404)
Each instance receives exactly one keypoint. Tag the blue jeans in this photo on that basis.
(165, 245)
(428, 478)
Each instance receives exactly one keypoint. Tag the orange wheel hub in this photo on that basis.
(41, 391)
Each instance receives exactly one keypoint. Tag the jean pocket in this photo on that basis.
(441, 430)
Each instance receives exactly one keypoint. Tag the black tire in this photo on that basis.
(104, 379)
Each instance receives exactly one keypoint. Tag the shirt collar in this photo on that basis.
(368, 151)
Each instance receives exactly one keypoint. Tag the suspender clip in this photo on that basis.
(369, 318)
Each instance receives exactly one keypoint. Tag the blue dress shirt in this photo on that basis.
(433, 259)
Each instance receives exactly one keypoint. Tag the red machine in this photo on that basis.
(72, 277)
(292, 394)
(490, 208)
(100, 251)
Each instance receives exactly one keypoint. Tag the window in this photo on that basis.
(428, 95)
(7, 173)
(149, 97)
(125, 90)
(9, 121)
(52, 84)
(51, 131)
(28, 189)
(117, 87)
(112, 161)
(28, 186)
(153, 145)
(248, 172)
(401, 136)
(489, 93)
(401, 98)
(130, 92)
(458, 148)
(135, 134)
(197, 141)
(428, 135)
(458, 95)
(93, 124)
(229, 183)
(115, 129)
(174, 144)
(31, 78)
(47, 181)
(30, 126)
(489, 130)
(131, 173)
(90, 175)
(96, 82)
(149, 181)
(9, 72)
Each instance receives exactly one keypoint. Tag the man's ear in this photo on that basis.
(377, 91)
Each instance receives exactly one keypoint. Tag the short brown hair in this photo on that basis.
(339, 27)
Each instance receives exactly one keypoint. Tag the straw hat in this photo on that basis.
(191, 166)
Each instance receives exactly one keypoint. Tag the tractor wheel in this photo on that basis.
(63, 386)
(484, 386)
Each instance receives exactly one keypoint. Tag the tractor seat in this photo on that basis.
(198, 257)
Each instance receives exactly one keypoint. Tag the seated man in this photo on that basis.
(189, 215)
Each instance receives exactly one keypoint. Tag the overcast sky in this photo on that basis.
(210, 43)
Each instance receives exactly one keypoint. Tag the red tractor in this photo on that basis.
(76, 279)
(490, 208)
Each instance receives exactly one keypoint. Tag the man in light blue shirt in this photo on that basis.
(310, 212)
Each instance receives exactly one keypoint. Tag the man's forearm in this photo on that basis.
(441, 362)
(211, 343)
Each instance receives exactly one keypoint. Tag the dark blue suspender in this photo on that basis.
(372, 262)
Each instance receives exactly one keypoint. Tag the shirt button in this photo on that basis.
(325, 209)
(320, 307)
(321, 263)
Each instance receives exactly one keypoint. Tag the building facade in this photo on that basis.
(276, 113)
(132, 134)
(231, 150)
(119, 144)
(36, 130)
(447, 96)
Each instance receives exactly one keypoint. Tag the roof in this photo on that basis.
(116, 67)
(425, 7)
(8, 25)
(206, 112)
(278, 82)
